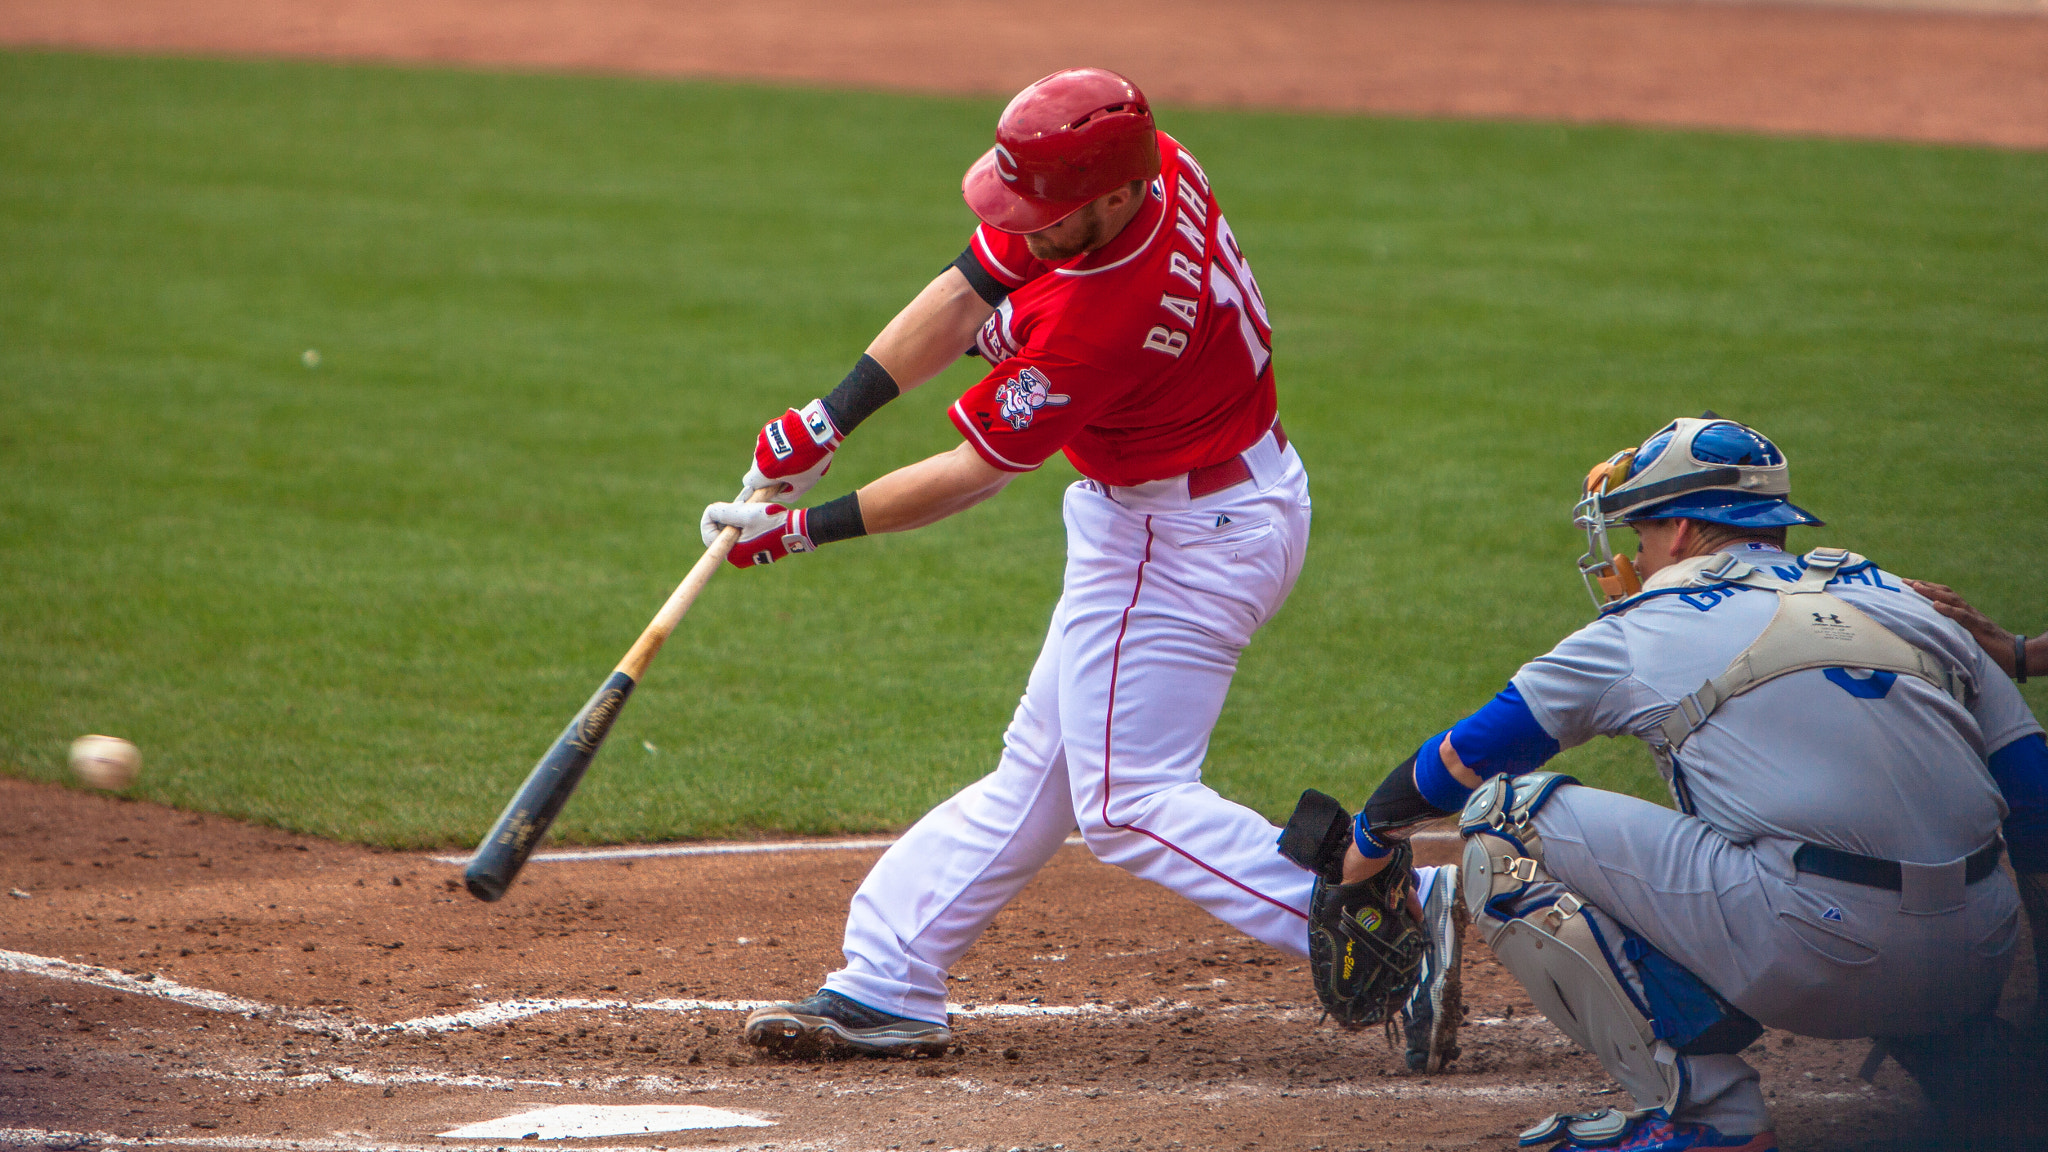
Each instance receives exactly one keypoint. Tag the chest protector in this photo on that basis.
(1813, 628)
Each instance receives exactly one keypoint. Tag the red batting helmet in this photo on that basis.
(1062, 142)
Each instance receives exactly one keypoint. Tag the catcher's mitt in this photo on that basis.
(1364, 950)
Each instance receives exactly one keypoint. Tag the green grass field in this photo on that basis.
(360, 599)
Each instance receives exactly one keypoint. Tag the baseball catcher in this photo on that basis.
(1848, 768)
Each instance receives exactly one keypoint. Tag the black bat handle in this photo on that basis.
(534, 807)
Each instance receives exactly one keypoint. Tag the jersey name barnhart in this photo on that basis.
(1229, 278)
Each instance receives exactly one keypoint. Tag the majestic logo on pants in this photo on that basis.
(1022, 395)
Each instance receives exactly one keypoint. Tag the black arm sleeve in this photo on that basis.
(865, 389)
(985, 286)
(1398, 803)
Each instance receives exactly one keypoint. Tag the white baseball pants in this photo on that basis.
(1162, 593)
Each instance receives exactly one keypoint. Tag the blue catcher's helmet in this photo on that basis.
(1694, 468)
(1748, 499)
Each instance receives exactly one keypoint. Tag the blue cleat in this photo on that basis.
(1650, 1134)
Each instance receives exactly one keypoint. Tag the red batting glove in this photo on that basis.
(793, 451)
(768, 532)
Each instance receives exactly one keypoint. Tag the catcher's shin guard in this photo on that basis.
(1548, 942)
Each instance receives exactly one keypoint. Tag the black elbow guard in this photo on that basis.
(1398, 803)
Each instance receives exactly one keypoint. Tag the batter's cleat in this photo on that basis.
(1653, 1135)
(1436, 1007)
(829, 1021)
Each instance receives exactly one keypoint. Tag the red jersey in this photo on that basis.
(1144, 359)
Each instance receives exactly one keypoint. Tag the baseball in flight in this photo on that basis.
(105, 761)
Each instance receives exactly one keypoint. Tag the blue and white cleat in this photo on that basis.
(828, 1020)
(1436, 1007)
(1609, 1130)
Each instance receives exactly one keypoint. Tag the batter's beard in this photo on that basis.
(1086, 238)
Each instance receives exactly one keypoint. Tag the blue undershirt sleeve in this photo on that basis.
(1435, 781)
(1502, 737)
(2020, 770)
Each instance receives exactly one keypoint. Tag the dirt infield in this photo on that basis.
(1916, 75)
(187, 981)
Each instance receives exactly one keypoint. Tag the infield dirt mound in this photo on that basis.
(374, 1004)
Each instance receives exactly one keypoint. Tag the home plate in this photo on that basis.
(577, 1121)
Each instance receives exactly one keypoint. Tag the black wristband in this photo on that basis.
(987, 287)
(2019, 658)
(836, 520)
(865, 389)
(1398, 803)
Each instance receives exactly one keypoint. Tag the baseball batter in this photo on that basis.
(1122, 326)
(1843, 759)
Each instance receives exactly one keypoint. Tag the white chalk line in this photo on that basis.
(649, 851)
(341, 1142)
(1416, 1088)
(657, 1084)
(165, 988)
(504, 1011)
(486, 1015)
(652, 1082)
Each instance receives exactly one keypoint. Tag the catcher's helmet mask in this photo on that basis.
(1695, 468)
(1062, 142)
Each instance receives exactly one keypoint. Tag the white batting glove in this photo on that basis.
(768, 532)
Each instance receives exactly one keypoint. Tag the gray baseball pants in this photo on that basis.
(1800, 952)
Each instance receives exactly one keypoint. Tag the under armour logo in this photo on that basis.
(1826, 618)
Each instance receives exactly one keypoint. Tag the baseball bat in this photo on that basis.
(533, 808)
